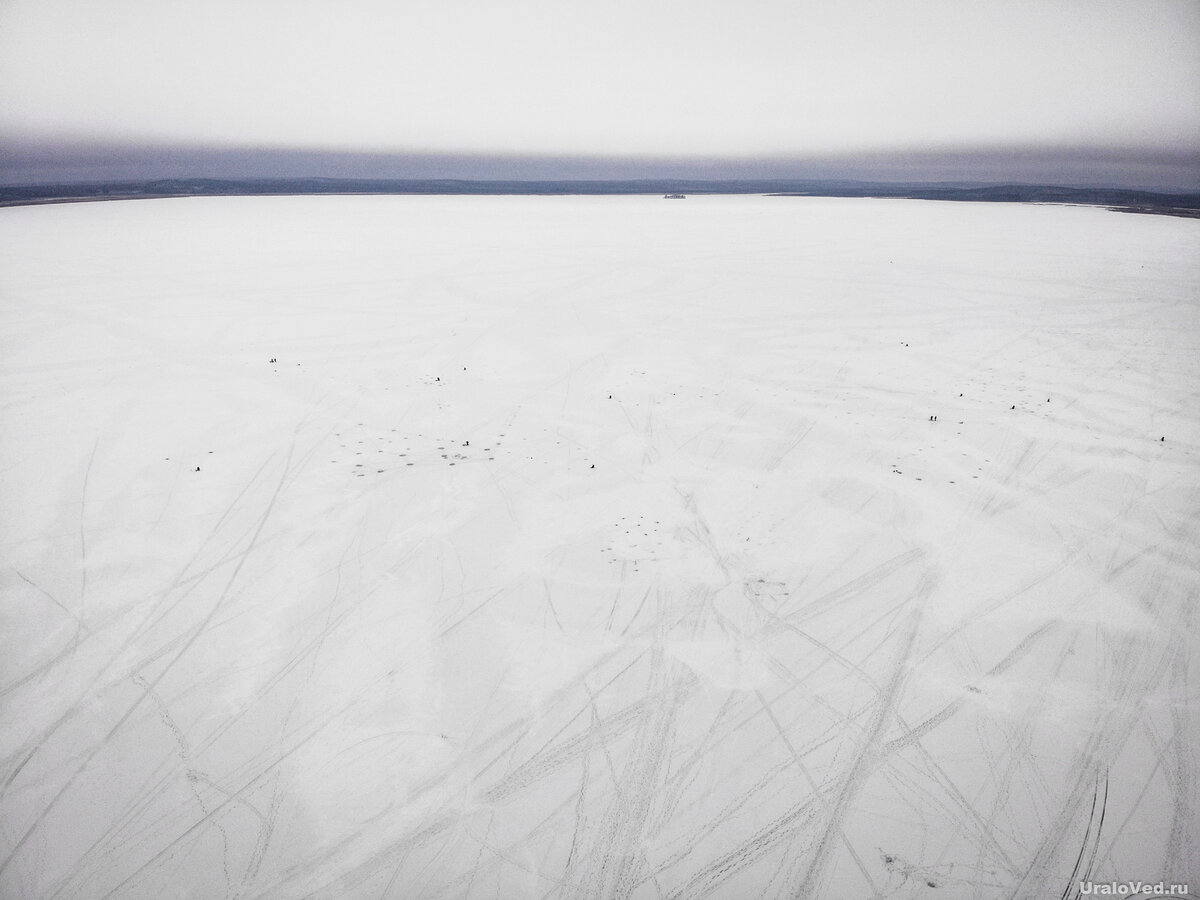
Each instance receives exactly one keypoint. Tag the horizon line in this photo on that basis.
(1120, 199)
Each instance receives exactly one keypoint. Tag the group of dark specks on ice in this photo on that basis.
(932, 418)
(1014, 406)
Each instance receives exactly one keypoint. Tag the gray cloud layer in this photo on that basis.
(34, 162)
(776, 80)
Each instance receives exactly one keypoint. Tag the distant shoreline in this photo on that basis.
(1119, 199)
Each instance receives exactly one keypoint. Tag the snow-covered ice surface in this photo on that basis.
(597, 548)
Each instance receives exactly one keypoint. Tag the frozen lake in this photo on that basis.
(518, 547)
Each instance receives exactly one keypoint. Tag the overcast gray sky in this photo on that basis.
(751, 78)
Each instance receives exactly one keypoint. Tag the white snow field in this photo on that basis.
(598, 548)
